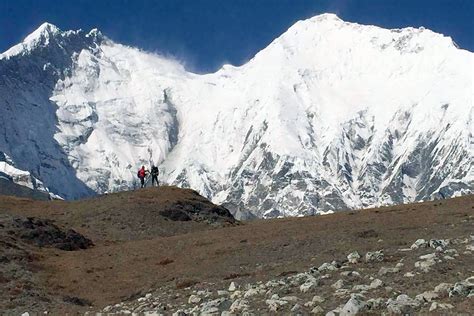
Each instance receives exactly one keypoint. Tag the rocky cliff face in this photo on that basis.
(331, 115)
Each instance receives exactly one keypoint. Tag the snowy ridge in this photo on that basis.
(331, 115)
(9, 172)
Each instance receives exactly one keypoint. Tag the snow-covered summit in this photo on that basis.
(48, 35)
(331, 115)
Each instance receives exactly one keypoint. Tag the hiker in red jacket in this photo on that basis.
(141, 175)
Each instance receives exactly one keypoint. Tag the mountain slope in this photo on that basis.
(331, 115)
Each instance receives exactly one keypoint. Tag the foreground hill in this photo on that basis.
(270, 261)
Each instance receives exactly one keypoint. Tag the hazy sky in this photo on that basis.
(208, 33)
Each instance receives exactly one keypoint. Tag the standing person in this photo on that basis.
(154, 175)
(141, 175)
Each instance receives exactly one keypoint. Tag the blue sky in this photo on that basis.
(208, 33)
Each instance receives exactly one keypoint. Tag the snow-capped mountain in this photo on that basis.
(331, 115)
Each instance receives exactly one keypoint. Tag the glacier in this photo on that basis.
(330, 116)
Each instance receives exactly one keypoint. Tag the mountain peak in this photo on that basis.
(325, 17)
(44, 30)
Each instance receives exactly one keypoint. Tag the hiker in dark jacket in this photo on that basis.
(141, 175)
(154, 175)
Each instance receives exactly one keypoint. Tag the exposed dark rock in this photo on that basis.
(44, 233)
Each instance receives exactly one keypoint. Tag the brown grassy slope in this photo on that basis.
(120, 216)
(117, 267)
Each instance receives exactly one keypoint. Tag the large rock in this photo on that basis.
(355, 305)
(463, 288)
(353, 257)
(419, 243)
(403, 304)
(376, 256)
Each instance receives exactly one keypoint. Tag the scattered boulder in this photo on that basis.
(297, 307)
(274, 304)
(317, 310)
(435, 305)
(215, 306)
(376, 256)
(419, 243)
(443, 289)
(427, 296)
(239, 305)
(338, 285)
(352, 274)
(384, 270)
(232, 287)
(354, 306)
(354, 257)
(439, 243)
(327, 267)
(251, 292)
(318, 299)
(463, 288)
(194, 299)
(376, 284)
(403, 304)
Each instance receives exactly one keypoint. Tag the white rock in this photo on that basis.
(384, 270)
(327, 267)
(342, 293)
(376, 284)
(376, 256)
(435, 305)
(274, 305)
(338, 285)
(292, 299)
(409, 275)
(376, 303)
(427, 296)
(194, 299)
(428, 256)
(318, 299)
(353, 257)
(215, 306)
(442, 289)
(239, 305)
(425, 265)
(222, 293)
(235, 294)
(296, 308)
(420, 243)
(402, 305)
(354, 306)
(361, 287)
(470, 247)
(463, 288)
(275, 297)
(351, 274)
(442, 243)
(232, 287)
(250, 293)
(310, 284)
(317, 310)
